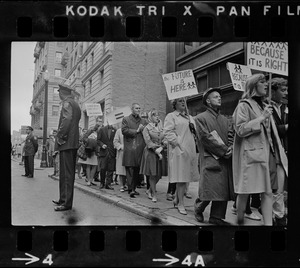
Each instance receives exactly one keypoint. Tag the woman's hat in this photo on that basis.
(208, 91)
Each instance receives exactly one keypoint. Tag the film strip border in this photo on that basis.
(151, 247)
(138, 246)
(156, 21)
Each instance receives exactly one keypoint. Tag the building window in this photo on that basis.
(103, 48)
(91, 84)
(57, 72)
(201, 80)
(55, 94)
(58, 56)
(55, 109)
(60, 44)
(84, 90)
(75, 58)
(86, 65)
(78, 72)
(92, 58)
(101, 75)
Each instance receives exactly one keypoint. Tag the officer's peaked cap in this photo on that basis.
(65, 89)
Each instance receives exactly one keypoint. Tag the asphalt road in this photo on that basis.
(32, 205)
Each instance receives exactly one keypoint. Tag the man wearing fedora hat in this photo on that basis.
(67, 143)
(215, 150)
(30, 149)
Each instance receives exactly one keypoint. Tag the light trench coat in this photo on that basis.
(182, 157)
(251, 149)
(119, 145)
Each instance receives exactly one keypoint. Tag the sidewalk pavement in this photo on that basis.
(161, 212)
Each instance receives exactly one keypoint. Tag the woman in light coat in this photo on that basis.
(182, 157)
(120, 169)
(255, 148)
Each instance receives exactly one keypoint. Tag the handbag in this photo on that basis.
(81, 152)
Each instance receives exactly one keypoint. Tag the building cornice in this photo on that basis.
(197, 52)
(218, 60)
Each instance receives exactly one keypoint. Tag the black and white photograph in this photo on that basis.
(149, 133)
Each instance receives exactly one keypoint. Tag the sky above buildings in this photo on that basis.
(22, 75)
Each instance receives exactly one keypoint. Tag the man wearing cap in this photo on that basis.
(67, 144)
(215, 150)
(30, 148)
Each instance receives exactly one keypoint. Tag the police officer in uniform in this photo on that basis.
(67, 145)
(30, 148)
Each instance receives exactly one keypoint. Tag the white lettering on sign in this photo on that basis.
(238, 74)
(180, 84)
(269, 57)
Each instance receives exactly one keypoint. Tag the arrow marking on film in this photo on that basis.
(32, 259)
(170, 261)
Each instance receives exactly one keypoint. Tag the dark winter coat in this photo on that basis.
(31, 145)
(134, 143)
(216, 182)
(68, 126)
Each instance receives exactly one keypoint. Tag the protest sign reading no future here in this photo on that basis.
(269, 57)
(180, 84)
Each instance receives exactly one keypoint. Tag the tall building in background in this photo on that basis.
(47, 56)
(114, 74)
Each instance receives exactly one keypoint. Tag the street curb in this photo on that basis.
(155, 216)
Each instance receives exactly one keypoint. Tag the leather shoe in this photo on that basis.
(109, 187)
(199, 216)
(29, 176)
(216, 221)
(101, 185)
(61, 208)
(136, 193)
(56, 202)
(132, 195)
(24, 175)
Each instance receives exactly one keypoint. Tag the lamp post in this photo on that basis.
(44, 153)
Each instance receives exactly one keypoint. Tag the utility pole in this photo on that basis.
(44, 153)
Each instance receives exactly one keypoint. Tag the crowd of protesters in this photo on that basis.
(242, 159)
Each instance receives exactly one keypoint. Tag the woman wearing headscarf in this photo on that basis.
(182, 157)
(120, 169)
(90, 141)
(256, 148)
(154, 162)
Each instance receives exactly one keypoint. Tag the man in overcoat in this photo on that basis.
(107, 155)
(30, 149)
(215, 138)
(280, 114)
(134, 144)
(67, 145)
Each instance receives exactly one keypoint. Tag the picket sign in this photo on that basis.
(180, 84)
(93, 109)
(238, 74)
(271, 57)
(117, 115)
